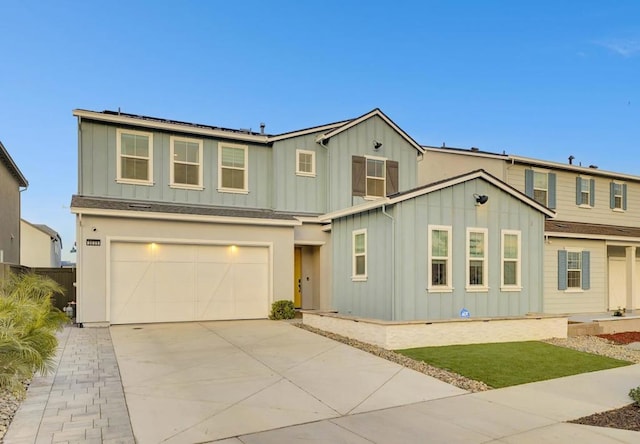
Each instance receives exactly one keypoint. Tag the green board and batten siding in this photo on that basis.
(453, 206)
(99, 163)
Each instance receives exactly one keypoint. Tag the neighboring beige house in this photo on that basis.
(12, 182)
(40, 246)
(592, 254)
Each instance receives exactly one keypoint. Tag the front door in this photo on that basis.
(617, 283)
(297, 277)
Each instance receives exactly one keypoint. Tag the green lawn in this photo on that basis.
(512, 363)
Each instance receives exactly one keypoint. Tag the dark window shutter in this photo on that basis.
(551, 183)
(612, 195)
(562, 270)
(624, 196)
(392, 177)
(528, 183)
(592, 192)
(358, 175)
(586, 270)
(578, 191)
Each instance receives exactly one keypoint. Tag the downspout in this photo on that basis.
(393, 262)
(327, 209)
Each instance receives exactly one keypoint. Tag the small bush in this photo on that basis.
(282, 310)
(635, 395)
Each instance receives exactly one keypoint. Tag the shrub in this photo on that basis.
(635, 395)
(282, 310)
(28, 323)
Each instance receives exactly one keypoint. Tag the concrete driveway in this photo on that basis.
(198, 382)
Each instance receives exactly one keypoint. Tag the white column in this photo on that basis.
(631, 276)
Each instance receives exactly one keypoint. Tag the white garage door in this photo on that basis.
(155, 282)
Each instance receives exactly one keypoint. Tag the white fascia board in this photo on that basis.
(461, 152)
(185, 217)
(126, 120)
(375, 112)
(521, 196)
(304, 132)
(355, 209)
(310, 219)
(573, 168)
(623, 240)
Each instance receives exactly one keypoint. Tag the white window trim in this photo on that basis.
(485, 260)
(366, 176)
(588, 180)
(518, 285)
(541, 171)
(245, 189)
(360, 277)
(621, 208)
(313, 163)
(119, 178)
(439, 288)
(574, 289)
(172, 162)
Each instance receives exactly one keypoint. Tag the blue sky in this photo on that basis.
(544, 79)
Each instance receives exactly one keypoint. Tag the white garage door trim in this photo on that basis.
(174, 241)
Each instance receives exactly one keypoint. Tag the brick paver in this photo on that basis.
(81, 401)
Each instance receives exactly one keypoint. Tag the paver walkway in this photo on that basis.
(82, 401)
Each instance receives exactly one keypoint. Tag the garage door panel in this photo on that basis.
(188, 282)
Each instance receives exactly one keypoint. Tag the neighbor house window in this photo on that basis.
(135, 157)
(573, 270)
(477, 259)
(618, 199)
(359, 246)
(541, 186)
(375, 177)
(305, 163)
(186, 163)
(585, 192)
(232, 171)
(510, 260)
(439, 258)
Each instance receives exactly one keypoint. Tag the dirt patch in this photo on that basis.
(626, 337)
(627, 418)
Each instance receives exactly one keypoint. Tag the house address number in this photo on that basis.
(93, 242)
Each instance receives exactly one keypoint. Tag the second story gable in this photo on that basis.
(11, 182)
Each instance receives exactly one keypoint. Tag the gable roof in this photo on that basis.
(6, 159)
(305, 131)
(589, 230)
(53, 234)
(435, 186)
(362, 118)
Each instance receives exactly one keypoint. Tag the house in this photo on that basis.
(178, 221)
(12, 182)
(591, 246)
(40, 246)
(463, 246)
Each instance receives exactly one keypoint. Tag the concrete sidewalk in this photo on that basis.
(197, 382)
(81, 400)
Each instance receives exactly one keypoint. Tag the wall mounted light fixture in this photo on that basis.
(481, 199)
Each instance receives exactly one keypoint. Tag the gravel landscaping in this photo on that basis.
(9, 404)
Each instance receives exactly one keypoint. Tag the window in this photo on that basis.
(186, 163)
(585, 192)
(439, 258)
(541, 186)
(373, 177)
(477, 259)
(573, 270)
(305, 163)
(359, 266)
(618, 199)
(510, 260)
(135, 157)
(232, 171)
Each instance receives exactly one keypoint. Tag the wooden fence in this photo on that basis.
(66, 277)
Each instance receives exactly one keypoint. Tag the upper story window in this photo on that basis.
(439, 258)
(359, 264)
(232, 168)
(573, 270)
(186, 163)
(305, 163)
(373, 177)
(585, 192)
(135, 157)
(541, 186)
(477, 259)
(618, 198)
(511, 263)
